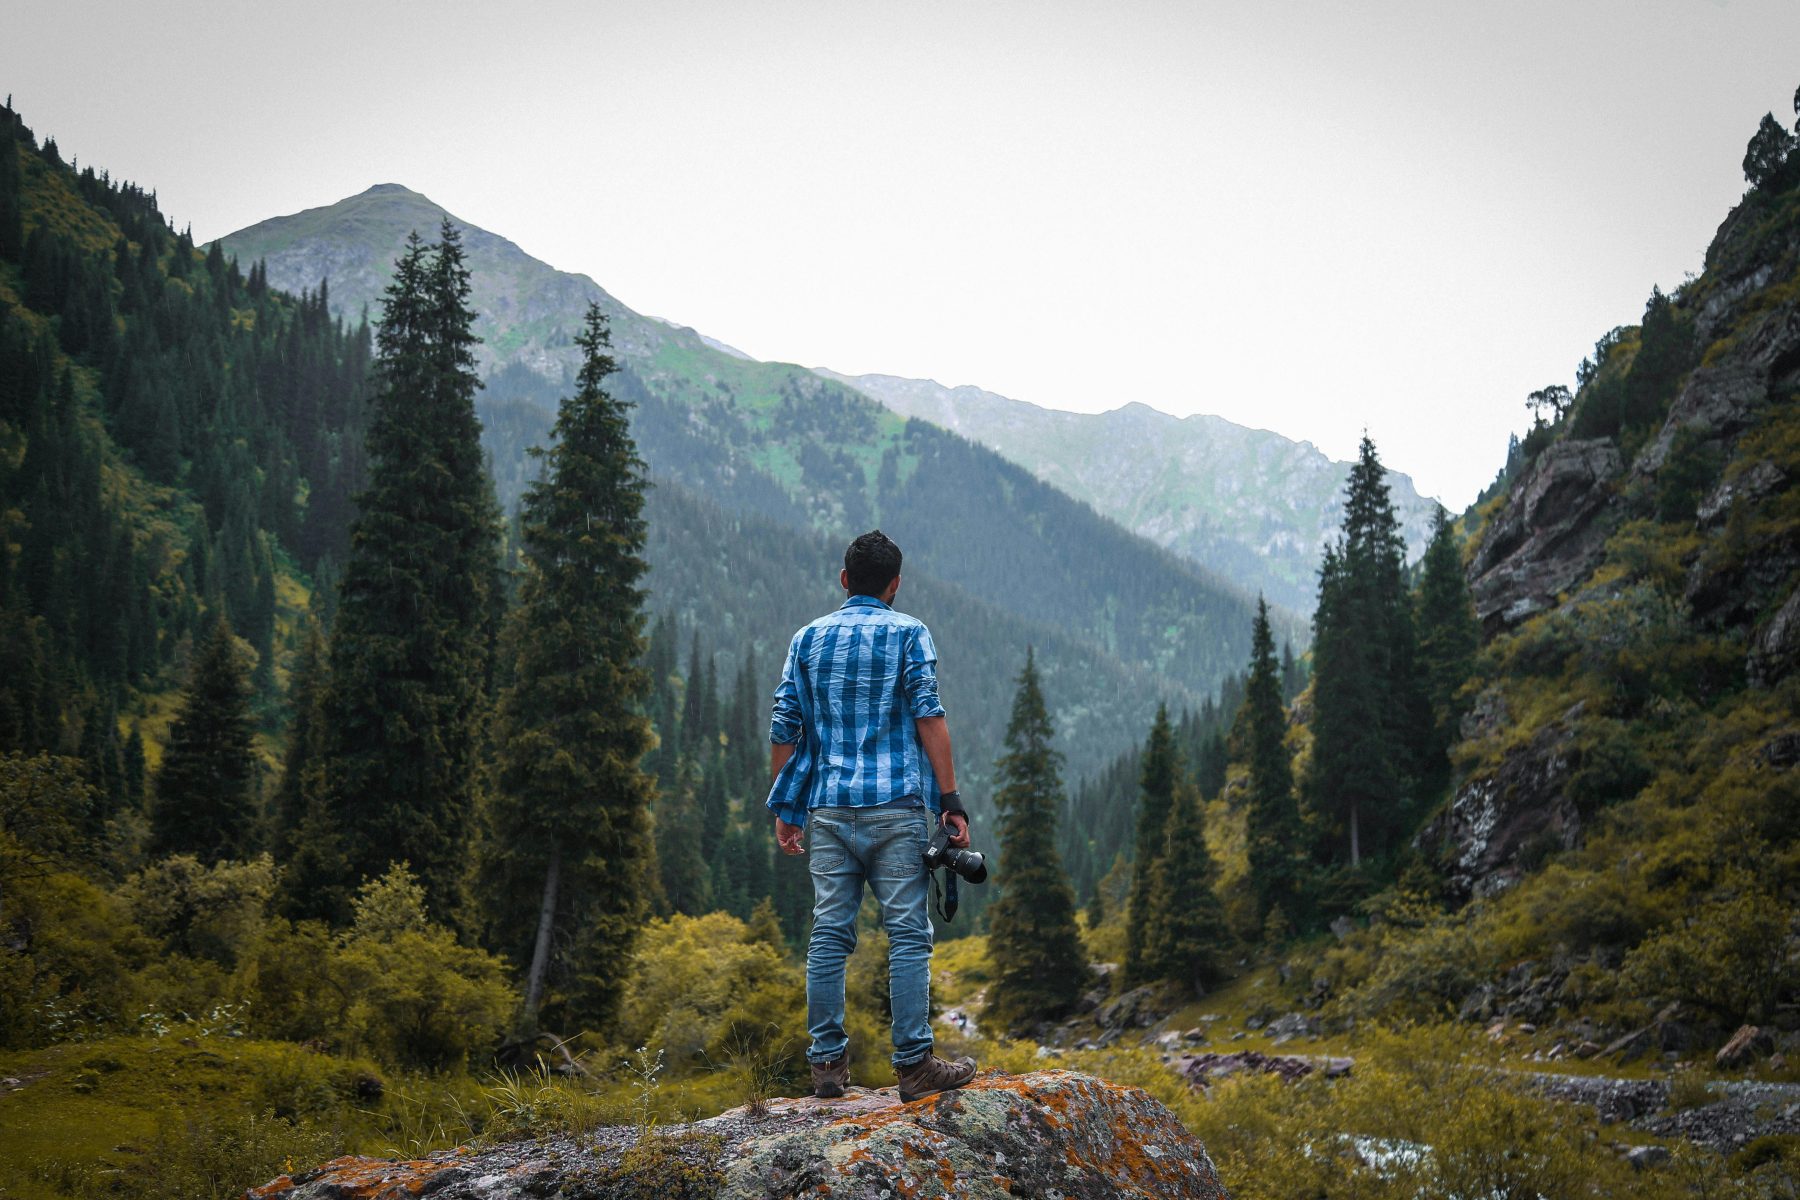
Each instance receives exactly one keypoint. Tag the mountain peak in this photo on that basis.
(388, 189)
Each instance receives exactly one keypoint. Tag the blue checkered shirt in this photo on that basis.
(854, 683)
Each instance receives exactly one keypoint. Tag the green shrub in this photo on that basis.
(417, 997)
(71, 969)
(1732, 958)
(690, 974)
(212, 913)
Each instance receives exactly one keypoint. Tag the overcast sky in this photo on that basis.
(1313, 218)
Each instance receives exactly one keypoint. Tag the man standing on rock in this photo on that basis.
(860, 747)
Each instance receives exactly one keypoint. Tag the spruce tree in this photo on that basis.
(203, 786)
(1371, 722)
(1272, 818)
(1156, 791)
(1189, 941)
(411, 645)
(304, 736)
(1448, 640)
(567, 824)
(1039, 964)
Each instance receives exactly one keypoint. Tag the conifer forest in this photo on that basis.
(384, 741)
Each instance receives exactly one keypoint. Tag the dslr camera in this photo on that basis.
(940, 853)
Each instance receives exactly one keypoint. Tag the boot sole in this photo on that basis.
(828, 1091)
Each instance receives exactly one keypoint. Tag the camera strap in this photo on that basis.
(947, 903)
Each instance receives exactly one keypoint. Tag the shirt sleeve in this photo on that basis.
(919, 674)
(785, 717)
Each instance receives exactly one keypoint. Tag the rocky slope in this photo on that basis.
(1046, 1134)
(1693, 526)
(1247, 502)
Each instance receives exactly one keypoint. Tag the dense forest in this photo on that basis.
(309, 746)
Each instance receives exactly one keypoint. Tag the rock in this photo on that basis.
(1137, 1009)
(1195, 1034)
(1255, 1022)
(1291, 1026)
(1745, 1046)
(1645, 1157)
(1495, 817)
(1343, 927)
(1587, 1050)
(1045, 1134)
(1718, 403)
(1496, 1031)
(1527, 1027)
(1478, 1005)
(1761, 479)
(1199, 1069)
(1548, 536)
(1775, 649)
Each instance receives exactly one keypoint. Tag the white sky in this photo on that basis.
(1307, 217)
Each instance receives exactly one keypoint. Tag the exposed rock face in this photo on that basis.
(1495, 818)
(1547, 538)
(1046, 1134)
(1776, 647)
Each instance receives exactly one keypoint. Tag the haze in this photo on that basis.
(1314, 218)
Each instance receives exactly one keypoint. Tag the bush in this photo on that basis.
(693, 978)
(211, 913)
(1732, 958)
(68, 967)
(417, 997)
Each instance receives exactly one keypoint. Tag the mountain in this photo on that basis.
(1249, 504)
(752, 450)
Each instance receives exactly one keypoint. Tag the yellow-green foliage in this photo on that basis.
(701, 984)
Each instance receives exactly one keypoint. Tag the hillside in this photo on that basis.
(1248, 503)
(775, 442)
(1616, 862)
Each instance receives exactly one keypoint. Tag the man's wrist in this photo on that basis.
(951, 804)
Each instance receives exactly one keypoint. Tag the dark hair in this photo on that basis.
(872, 561)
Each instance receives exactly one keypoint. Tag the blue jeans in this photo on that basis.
(885, 847)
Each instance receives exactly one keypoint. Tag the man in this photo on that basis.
(861, 751)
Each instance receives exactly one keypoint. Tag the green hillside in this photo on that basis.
(1249, 504)
(774, 441)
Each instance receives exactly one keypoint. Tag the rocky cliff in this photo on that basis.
(1047, 1135)
(1690, 523)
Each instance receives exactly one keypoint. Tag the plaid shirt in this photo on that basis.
(855, 681)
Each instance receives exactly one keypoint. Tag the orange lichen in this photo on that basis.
(357, 1178)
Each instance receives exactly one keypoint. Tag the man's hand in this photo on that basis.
(788, 837)
(958, 825)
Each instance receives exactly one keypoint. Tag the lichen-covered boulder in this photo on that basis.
(1049, 1135)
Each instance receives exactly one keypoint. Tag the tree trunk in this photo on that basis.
(1355, 836)
(540, 954)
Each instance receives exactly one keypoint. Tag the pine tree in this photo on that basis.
(304, 737)
(1371, 722)
(410, 648)
(1189, 940)
(203, 786)
(1033, 940)
(1448, 640)
(1272, 819)
(686, 882)
(567, 823)
(1156, 792)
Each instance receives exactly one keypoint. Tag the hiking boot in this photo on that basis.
(932, 1074)
(830, 1078)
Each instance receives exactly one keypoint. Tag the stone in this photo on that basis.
(1775, 648)
(1195, 1034)
(1744, 1047)
(1527, 1027)
(1139, 1008)
(1645, 1157)
(1494, 817)
(1293, 1025)
(1548, 536)
(1044, 1134)
(1343, 927)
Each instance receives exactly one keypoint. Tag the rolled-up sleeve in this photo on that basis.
(919, 674)
(784, 717)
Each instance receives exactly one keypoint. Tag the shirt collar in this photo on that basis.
(864, 601)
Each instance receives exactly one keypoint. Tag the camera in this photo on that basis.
(967, 863)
